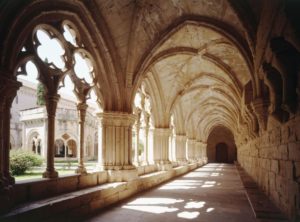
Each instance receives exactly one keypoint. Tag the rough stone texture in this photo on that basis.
(276, 166)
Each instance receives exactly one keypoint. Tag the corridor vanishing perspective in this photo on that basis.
(112, 98)
(211, 193)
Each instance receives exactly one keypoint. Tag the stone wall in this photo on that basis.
(273, 160)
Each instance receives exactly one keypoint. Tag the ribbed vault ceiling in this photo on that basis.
(201, 75)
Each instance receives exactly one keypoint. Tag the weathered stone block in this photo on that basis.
(274, 136)
(102, 177)
(20, 193)
(294, 151)
(127, 193)
(122, 175)
(87, 180)
(111, 189)
(111, 199)
(283, 150)
(42, 189)
(286, 169)
(285, 134)
(96, 204)
(281, 187)
(275, 166)
(67, 184)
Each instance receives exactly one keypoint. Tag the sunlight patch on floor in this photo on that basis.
(181, 184)
(194, 204)
(188, 215)
(154, 200)
(152, 209)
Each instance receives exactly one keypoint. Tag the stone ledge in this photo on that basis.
(44, 188)
(262, 207)
(72, 205)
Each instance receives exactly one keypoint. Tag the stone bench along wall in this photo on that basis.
(273, 160)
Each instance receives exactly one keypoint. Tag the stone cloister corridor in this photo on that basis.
(212, 193)
(194, 100)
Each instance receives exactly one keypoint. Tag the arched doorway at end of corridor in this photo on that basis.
(221, 146)
(222, 153)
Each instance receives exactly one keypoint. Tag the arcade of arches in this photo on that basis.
(179, 83)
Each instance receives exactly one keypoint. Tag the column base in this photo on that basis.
(136, 164)
(50, 174)
(182, 162)
(192, 160)
(145, 163)
(164, 166)
(81, 170)
(122, 175)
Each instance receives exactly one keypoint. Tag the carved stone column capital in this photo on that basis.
(82, 107)
(180, 137)
(116, 119)
(51, 103)
(162, 131)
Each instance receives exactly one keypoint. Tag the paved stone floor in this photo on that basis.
(212, 193)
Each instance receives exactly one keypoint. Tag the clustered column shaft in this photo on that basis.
(116, 142)
(161, 145)
(180, 143)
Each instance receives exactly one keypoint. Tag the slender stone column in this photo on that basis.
(101, 155)
(147, 127)
(116, 155)
(180, 143)
(191, 149)
(161, 147)
(10, 93)
(51, 104)
(81, 107)
(6, 139)
(137, 137)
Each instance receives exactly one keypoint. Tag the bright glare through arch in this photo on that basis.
(31, 73)
(83, 67)
(50, 49)
(70, 34)
(67, 88)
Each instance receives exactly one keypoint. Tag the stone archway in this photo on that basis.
(221, 147)
(72, 148)
(60, 148)
(222, 153)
